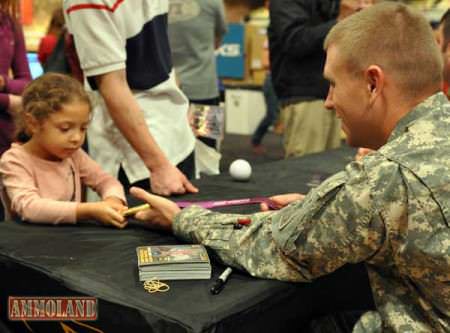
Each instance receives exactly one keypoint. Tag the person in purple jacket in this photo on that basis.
(14, 70)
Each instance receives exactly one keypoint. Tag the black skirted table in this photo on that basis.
(44, 260)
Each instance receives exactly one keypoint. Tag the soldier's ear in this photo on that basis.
(374, 77)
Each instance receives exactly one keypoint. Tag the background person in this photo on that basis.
(271, 101)
(139, 124)
(14, 70)
(237, 11)
(196, 29)
(54, 30)
(296, 33)
(387, 210)
(56, 50)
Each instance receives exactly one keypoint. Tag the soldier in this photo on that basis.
(389, 210)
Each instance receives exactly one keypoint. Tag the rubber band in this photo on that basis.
(154, 285)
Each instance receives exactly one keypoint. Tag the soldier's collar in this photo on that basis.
(421, 110)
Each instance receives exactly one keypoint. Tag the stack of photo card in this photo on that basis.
(207, 120)
(173, 262)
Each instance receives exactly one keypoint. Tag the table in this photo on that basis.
(41, 260)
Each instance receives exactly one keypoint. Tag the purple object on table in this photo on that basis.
(232, 202)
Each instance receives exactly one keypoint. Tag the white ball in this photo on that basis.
(240, 170)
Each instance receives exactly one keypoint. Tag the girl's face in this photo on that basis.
(61, 134)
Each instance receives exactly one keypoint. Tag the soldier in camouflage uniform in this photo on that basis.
(390, 210)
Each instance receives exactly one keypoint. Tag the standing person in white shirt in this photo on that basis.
(140, 122)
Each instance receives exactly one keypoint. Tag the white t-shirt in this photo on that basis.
(111, 35)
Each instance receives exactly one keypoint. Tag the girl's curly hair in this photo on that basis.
(46, 95)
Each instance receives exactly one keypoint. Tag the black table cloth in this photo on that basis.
(46, 260)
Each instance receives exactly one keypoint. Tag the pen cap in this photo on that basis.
(217, 287)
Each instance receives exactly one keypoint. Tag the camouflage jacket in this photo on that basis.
(391, 210)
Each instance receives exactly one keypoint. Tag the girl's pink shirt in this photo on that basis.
(44, 191)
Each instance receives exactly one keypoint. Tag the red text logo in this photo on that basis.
(52, 308)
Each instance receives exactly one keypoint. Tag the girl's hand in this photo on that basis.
(116, 203)
(101, 211)
(106, 213)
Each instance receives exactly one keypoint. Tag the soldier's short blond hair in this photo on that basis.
(395, 37)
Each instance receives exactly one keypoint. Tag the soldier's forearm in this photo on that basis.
(249, 247)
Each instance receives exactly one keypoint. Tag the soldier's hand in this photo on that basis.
(161, 213)
(282, 200)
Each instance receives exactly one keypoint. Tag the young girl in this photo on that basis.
(43, 175)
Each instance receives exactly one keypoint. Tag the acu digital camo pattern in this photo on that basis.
(390, 210)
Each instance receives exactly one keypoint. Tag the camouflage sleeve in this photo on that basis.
(250, 248)
(335, 224)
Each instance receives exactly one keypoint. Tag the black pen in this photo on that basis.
(220, 282)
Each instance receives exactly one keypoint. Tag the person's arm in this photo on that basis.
(129, 118)
(21, 75)
(17, 177)
(106, 212)
(103, 183)
(109, 210)
(334, 224)
(20, 187)
(12, 87)
(221, 25)
(102, 55)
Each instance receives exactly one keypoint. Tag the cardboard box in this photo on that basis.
(257, 52)
(259, 76)
(244, 109)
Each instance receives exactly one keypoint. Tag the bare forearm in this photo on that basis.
(129, 119)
